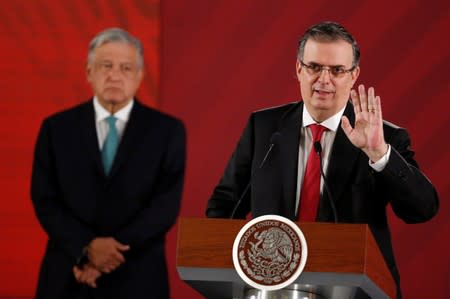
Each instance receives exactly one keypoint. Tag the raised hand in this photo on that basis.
(368, 131)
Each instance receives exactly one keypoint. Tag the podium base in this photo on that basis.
(280, 294)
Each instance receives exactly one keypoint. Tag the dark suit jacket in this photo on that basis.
(360, 194)
(136, 204)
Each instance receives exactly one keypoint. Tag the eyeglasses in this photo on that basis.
(337, 71)
(126, 69)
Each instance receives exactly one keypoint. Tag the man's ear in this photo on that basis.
(88, 72)
(355, 75)
(298, 69)
(140, 75)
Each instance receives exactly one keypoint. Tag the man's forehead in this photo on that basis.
(337, 52)
(112, 50)
(116, 47)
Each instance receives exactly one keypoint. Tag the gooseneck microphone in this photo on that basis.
(318, 150)
(273, 141)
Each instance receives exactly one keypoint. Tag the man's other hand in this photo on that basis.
(87, 275)
(106, 253)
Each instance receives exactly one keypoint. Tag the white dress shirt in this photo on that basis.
(327, 142)
(102, 126)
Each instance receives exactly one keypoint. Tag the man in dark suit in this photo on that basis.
(368, 162)
(106, 183)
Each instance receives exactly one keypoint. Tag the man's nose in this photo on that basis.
(324, 75)
(115, 72)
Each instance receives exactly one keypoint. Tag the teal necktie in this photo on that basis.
(110, 146)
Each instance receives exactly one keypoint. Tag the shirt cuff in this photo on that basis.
(381, 164)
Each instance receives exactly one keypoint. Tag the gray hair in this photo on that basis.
(116, 35)
(328, 32)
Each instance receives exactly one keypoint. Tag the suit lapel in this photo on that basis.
(343, 156)
(289, 129)
(89, 136)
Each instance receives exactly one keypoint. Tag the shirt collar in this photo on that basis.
(331, 123)
(101, 113)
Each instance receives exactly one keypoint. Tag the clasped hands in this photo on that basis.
(368, 131)
(105, 255)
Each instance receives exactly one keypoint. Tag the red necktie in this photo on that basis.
(310, 193)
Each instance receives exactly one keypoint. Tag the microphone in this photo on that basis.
(273, 141)
(318, 150)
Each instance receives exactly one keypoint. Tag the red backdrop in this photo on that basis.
(220, 60)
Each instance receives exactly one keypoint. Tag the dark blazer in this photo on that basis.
(136, 204)
(360, 194)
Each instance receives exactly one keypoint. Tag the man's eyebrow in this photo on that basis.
(316, 63)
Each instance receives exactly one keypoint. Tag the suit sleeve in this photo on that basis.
(62, 227)
(236, 176)
(155, 219)
(412, 196)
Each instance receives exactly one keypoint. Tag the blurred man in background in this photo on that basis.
(107, 182)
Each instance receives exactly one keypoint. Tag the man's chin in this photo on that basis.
(321, 104)
(115, 98)
(322, 109)
(114, 101)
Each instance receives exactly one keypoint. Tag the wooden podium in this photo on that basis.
(343, 260)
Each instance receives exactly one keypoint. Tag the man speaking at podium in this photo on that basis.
(106, 184)
(338, 129)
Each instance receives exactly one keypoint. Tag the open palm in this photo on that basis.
(367, 134)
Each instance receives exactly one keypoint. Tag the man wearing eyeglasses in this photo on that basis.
(106, 183)
(367, 162)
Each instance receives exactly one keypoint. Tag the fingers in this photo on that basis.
(106, 269)
(374, 107)
(366, 102)
(113, 262)
(106, 253)
(377, 107)
(88, 275)
(117, 257)
(77, 273)
(122, 247)
(346, 126)
(355, 101)
(110, 267)
(363, 98)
